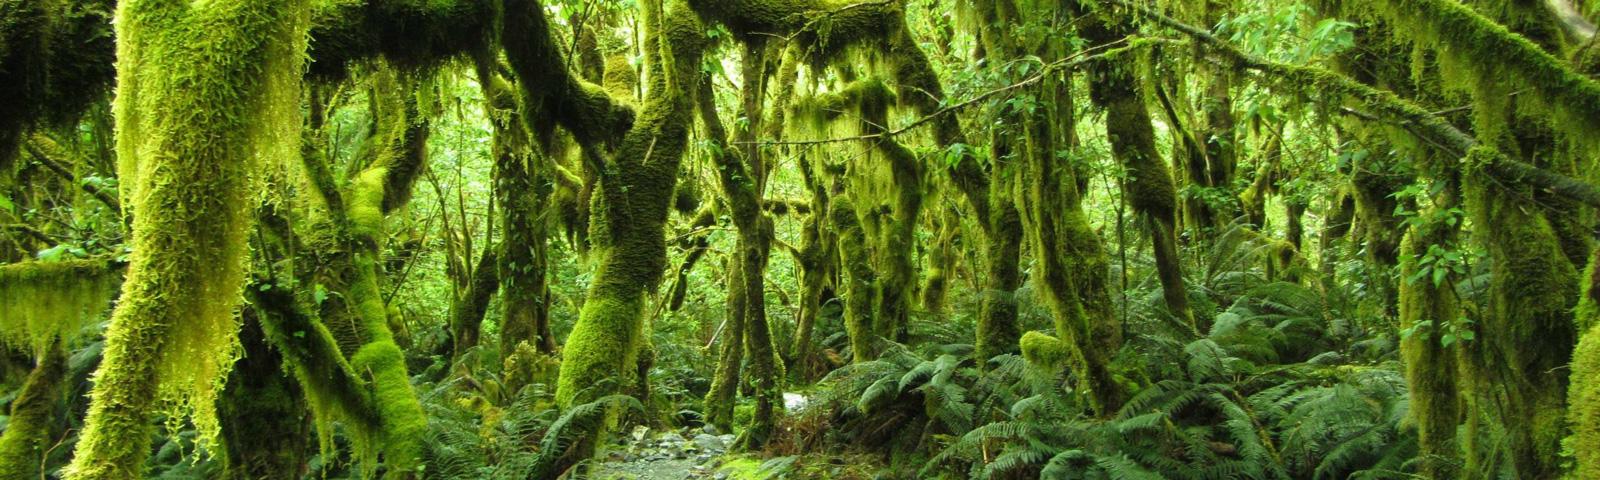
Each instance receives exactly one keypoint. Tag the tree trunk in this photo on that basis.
(29, 429)
(193, 118)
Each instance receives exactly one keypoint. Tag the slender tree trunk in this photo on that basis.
(28, 431)
(1148, 187)
(1427, 309)
(467, 312)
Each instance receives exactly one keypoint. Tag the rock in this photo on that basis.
(709, 429)
(703, 458)
(639, 432)
(727, 440)
(793, 401)
(710, 443)
(670, 439)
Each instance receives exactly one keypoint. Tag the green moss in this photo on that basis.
(1583, 397)
(1492, 52)
(28, 430)
(45, 302)
(1045, 351)
(1426, 308)
(198, 109)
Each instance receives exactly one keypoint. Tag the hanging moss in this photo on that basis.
(1489, 50)
(55, 61)
(45, 302)
(198, 109)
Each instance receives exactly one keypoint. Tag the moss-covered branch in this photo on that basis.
(409, 34)
(551, 90)
(42, 303)
(28, 430)
(1382, 105)
(1495, 53)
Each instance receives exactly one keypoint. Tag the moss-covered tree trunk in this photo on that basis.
(817, 261)
(629, 215)
(1073, 272)
(997, 329)
(28, 431)
(206, 92)
(1428, 306)
(264, 427)
(855, 266)
(740, 173)
(1148, 188)
(522, 190)
(1584, 395)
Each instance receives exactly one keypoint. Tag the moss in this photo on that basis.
(1583, 397)
(633, 198)
(1490, 50)
(1047, 352)
(28, 430)
(1426, 308)
(45, 302)
(410, 34)
(198, 109)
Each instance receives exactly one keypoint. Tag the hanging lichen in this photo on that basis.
(207, 92)
(45, 302)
